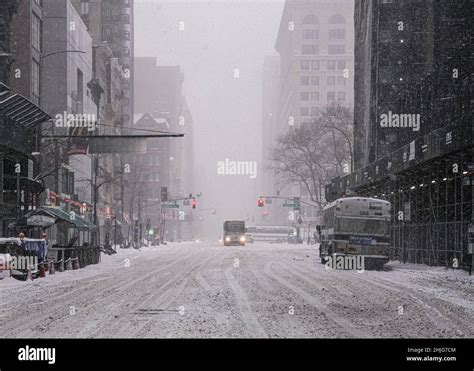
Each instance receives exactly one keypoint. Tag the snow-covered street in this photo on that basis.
(260, 290)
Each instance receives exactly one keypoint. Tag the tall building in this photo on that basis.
(7, 9)
(65, 91)
(315, 43)
(112, 21)
(110, 24)
(159, 92)
(25, 72)
(20, 115)
(150, 172)
(270, 131)
(413, 129)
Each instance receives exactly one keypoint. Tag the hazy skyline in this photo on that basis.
(218, 38)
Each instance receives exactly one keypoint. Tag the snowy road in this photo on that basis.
(194, 290)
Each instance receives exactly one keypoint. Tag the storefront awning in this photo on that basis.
(60, 215)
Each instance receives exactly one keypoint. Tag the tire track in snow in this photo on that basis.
(442, 321)
(58, 313)
(346, 325)
(249, 319)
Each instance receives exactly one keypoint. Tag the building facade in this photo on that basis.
(110, 24)
(270, 131)
(413, 129)
(315, 43)
(20, 115)
(159, 92)
(66, 71)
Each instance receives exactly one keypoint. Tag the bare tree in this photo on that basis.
(312, 153)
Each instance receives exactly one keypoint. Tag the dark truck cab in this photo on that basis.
(234, 232)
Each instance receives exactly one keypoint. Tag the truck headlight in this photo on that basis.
(227, 239)
(242, 239)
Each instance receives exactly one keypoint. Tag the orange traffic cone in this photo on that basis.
(75, 264)
(42, 272)
(52, 270)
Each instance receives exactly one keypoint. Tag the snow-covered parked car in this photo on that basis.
(5, 262)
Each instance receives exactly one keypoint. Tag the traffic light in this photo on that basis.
(260, 202)
(194, 203)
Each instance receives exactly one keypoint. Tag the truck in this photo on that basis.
(234, 232)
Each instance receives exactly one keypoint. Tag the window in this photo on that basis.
(304, 111)
(310, 34)
(84, 7)
(331, 65)
(315, 96)
(314, 111)
(304, 65)
(341, 65)
(314, 80)
(310, 19)
(36, 33)
(331, 96)
(35, 81)
(309, 49)
(337, 34)
(304, 80)
(341, 81)
(341, 96)
(331, 80)
(337, 19)
(336, 49)
(315, 65)
(80, 87)
(304, 96)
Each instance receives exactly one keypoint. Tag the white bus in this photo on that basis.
(356, 226)
(265, 233)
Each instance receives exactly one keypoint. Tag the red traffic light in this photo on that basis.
(194, 203)
(260, 202)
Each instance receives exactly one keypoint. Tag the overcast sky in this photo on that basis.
(218, 37)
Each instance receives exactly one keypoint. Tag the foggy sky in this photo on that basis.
(219, 36)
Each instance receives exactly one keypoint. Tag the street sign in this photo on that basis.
(289, 205)
(170, 206)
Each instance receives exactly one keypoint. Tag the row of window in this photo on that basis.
(313, 49)
(336, 34)
(330, 80)
(334, 19)
(331, 97)
(331, 65)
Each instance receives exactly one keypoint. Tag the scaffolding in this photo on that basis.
(431, 192)
(432, 208)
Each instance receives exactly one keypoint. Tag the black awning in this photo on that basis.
(22, 111)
